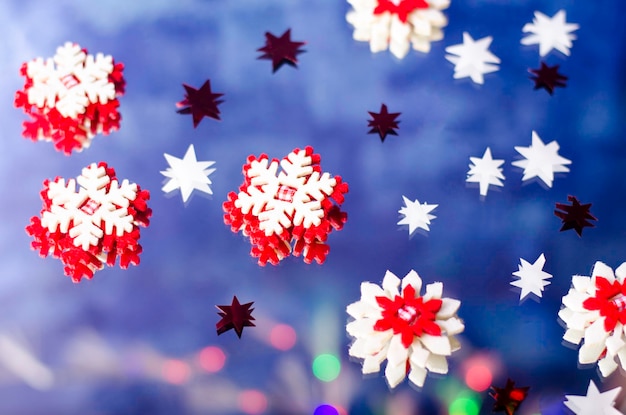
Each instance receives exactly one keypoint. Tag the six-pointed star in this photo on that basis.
(550, 33)
(416, 215)
(187, 174)
(594, 403)
(200, 103)
(235, 316)
(485, 171)
(532, 277)
(280, 50)
(383, 122)
(473, 58)
(541, 160)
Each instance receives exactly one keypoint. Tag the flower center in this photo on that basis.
(409, 314)
(620, 302)
(285, 193)
(90, 206)
(69, 81)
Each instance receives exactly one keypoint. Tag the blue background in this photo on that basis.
(100, 345)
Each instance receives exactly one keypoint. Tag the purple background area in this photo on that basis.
(100, 344)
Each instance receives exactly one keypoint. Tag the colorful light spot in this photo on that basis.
(464, 406)
(176, 371)
(252, 402)
(326, 410)
(478, 377)
(326, 367)
(283, 337)
(212, 359)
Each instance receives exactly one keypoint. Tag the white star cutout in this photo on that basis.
(187, 174)
(550, 33)
(485, 171)
(594, 403)
(532, 278)
(416, 215)
(541, 160)
(473, 58)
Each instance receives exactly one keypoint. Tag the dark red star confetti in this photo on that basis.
(200, 103)
(383, 122)
(509, 398)
(575, 216)
(548, 77)
(281, 50)
(235, 316)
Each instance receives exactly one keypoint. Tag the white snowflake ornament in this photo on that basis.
(398, 24)
(550, 33)
(485, 171)
(532, 277)
(594, 403)
(414, 333)
(594, 312)
(472, 58)
(187, 174)
(416, 215)
(541, 160)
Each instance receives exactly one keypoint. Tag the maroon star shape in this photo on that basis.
(281, 50)
(235, 316)
(383, 122)
(200, 103)
(548, 77)
(575, 216)
(509, 398)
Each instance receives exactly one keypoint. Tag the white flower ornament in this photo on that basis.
(414, 333)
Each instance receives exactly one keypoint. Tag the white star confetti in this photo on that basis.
(485, 171)
(473, 58)
(541, 160)
(550, 33)
(594, 403)
(416, 215)
(187, 174)
(532, 277)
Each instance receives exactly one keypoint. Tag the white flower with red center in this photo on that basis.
(398, 24)
(92, 225)
(594, 311)
(71, 97)
(414, 333)
(289, 211)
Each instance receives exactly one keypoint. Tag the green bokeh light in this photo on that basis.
(464, 406)
(326, 367)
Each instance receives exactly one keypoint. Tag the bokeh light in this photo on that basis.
(283, 337)
(464, 406)
(176, 371)
(212, 359)
(478, 377)
(326, 367)
(252, 402)
(326, 410)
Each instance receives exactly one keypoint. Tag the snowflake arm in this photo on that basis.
(187, 174)
(485, 171)
(532, 278)
(416, 215)
(550, 33)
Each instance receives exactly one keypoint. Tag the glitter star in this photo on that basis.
(509, 398)
(575, 216)
(548, 77)
(200, 103)
(594, 402)
(235, 316)
(281, 50)
(187, 174)
(383, 122)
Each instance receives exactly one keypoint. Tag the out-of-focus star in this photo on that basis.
(548, 77)
(509, 398)
(575, 216)
(416, 215)
(550, 33)
(532, 277)
(473, 58)
(485, 171)
(541, 160)
(594, 403)
(187, 174)
(235, 316)
(281, 50)
(383, 122)
(200, 103)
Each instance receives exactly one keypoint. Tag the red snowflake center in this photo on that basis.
(285, 193)
(408, 316)
(400, 7)
(610, 301)
(90, 206)
(69, 81)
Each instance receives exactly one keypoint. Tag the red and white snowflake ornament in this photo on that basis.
(93, 224)
(594, 312)
(414, 333)
(71, 97)
(288, 212)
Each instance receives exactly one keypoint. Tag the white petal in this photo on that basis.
(418, 355)
(437, 364)
(434, 290)
(573, 336)
(436, 344)
(600, 269)
(417, 375)
(397, 353)
(449, 307)
(390, 284)
(395, 374)
(413, 279)
(607, 366)
(451, 326)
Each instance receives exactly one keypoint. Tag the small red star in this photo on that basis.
(383, 123)
(509, 398)
(235, 316)
(548, 77)
(200, 103)
(281, 50)
(574, 216)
